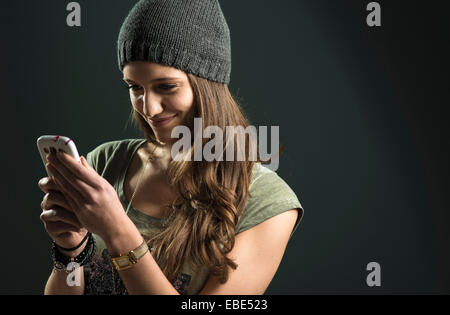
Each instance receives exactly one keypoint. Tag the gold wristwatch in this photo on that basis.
(128, 260)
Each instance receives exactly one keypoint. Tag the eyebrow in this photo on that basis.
(158, 79)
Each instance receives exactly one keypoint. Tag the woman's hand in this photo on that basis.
(90, 197)
(61, 224)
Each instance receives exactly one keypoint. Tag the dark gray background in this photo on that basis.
(362, 112)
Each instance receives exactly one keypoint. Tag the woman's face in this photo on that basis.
(158, 91)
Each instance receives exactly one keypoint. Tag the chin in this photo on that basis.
(165, 138)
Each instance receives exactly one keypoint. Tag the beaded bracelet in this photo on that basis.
(60, 261)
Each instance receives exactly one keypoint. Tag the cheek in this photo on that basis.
(136, 99)
(182, 102)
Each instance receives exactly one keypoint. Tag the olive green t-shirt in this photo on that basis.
(269, 195)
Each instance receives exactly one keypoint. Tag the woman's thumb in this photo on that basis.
(83, 161)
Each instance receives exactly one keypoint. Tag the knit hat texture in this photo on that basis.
(190, 35)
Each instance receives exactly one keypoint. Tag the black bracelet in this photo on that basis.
(60, 261)
(76, 247)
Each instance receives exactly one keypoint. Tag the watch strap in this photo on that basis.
(128, 260)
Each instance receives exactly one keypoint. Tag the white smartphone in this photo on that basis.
(47, 144)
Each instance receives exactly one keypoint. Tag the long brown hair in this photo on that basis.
(212, 195)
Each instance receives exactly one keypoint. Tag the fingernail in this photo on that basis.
(43, 181)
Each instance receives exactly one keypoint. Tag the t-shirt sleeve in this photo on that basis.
(90, 160)
(99, 156)
(269, 196)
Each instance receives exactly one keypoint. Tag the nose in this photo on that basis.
(152, 104)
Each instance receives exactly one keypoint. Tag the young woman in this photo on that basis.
(139, 221)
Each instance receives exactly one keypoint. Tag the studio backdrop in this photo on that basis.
(359, 90)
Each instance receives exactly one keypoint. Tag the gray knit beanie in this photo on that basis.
(190, 35)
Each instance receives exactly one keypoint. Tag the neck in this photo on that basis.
(161, 155)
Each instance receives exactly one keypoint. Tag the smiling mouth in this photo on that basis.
(162, 121)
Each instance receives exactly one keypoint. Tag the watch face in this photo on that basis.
(124, 263)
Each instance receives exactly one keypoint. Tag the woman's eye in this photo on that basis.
(133, 87)
(167, 87)
(163, 87)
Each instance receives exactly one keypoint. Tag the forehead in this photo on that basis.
(148, 71)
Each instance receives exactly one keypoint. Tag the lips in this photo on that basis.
(162, 121)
